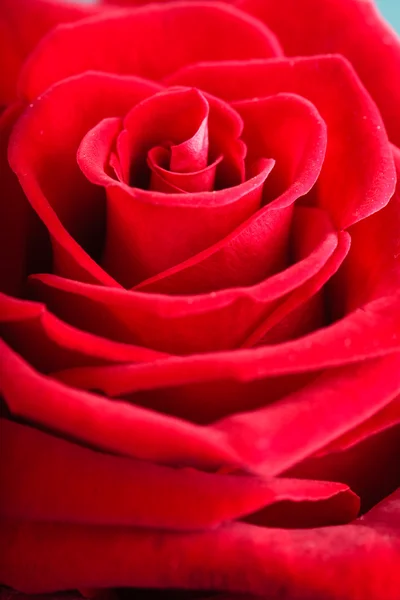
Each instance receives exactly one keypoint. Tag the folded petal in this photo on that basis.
(282, 434)
(22, 25)
(314, 27)
(199, 323)
(297, 304)
(386, 418)
(24, 245)
(348, 561)
(358, 176)
(151, 42)
(27, 326)
(47, 479)
(290, 130)
(367, 333)
(118, 427)
(149, 231)
(365, 458)
(42, 153)
(372, 269)
(205, 388)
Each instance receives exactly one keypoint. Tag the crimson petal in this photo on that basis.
(353, 28)
(348, 561)
(198, 323)
(22, 24)
(47, 479)
(279, 436)
(372, 269)
(358, 176)
(207, 387)
(42, 153)
(293, 133)
(117, 427)
(27, 326)
(151, 42)
(153, 231)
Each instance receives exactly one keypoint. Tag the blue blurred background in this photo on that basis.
(391, 10)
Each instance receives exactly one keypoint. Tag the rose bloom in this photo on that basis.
(200, 308)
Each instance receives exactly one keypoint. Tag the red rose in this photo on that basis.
(200, 265)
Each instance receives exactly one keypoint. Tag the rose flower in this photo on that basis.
(200, 308)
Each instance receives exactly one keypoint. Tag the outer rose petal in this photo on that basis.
(349, 562)
(204, 388)
(369, 332)
(151, 41)
(386, 418)
(238, 440)
(27, 326)
(198, 323)
(47, 479)
(117, 427)
(365, 458)
(353, 28)
(278, 436)
(372, 269)
(22, 24)
(16, 216)
(42, 152)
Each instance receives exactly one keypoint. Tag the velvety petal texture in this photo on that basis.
(22, 24)
(353, 28)
(104, 42)
(361, 176)
(131, 490)
(235, 558)
(199, 301)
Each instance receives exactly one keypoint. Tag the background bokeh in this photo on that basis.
(391, 10)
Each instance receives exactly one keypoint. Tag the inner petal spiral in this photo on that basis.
(177, 180)
(170, 143)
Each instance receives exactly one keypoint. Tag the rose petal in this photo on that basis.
(282, 434)
(186, 324)
(42, 153)
(23, 247)
(164, 180)
(369, 332)
(372, 269)
(207, 387)
(148, 232)
(358, 176)
(368, 464)
(347, 561)
(299, 299)
(27, 326)
(154, 231)
(386, 418)
(47, 479)
(259, 247)
(22, 24)
(333, 28)
(150, 41)
(114, 426)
